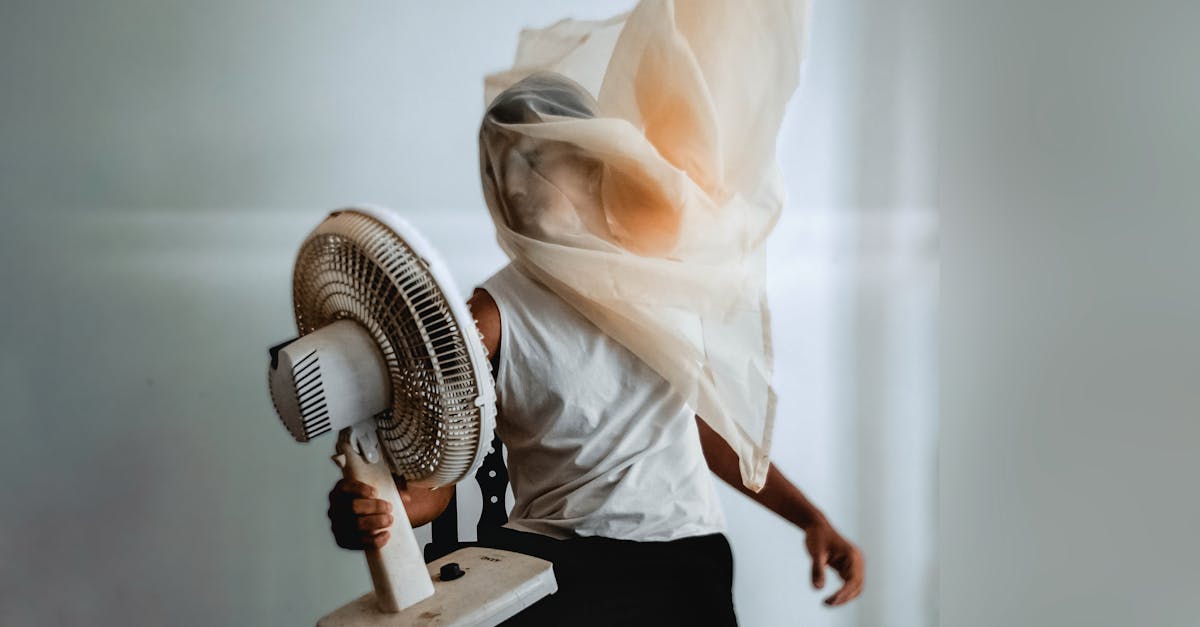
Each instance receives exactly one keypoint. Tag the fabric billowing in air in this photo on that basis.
(629, 166)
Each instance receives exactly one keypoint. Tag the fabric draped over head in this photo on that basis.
(629, 166)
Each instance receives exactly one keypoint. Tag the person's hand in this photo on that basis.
(828, 548)
(358, 519)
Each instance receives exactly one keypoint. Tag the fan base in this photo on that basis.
(495, 586)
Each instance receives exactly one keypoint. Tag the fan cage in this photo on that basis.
(355, 267)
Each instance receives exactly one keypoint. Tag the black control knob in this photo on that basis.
(450, 571)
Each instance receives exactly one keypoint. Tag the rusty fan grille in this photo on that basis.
(355, 267)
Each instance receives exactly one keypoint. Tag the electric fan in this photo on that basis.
(390, 358)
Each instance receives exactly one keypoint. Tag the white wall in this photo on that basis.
(160, 162)
(1069, 190)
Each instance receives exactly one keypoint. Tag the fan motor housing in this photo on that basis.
(329, 379)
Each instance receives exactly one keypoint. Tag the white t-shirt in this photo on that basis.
(598, 443)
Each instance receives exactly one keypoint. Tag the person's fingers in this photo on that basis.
(850, 568)
(348, 541)
(370, 506)
(376, 541)
(352, 488)
(836, 598)
(342, 526)
(374, 522)
(848, 592)
(819, 558)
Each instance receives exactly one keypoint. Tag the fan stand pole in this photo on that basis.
(398, 569)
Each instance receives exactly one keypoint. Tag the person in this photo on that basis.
(611, 468)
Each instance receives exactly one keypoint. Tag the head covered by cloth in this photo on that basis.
(629, 166)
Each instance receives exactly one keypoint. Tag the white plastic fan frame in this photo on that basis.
(481, 368)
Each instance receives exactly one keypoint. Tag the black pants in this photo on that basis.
(602, 581)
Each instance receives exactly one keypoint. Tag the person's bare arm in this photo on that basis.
(487, 320)
(825, 545)
(357, 518)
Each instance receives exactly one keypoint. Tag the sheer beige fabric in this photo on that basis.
(629, 165)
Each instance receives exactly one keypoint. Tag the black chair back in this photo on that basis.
(492, 477)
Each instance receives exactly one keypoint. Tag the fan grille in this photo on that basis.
(354, 267)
